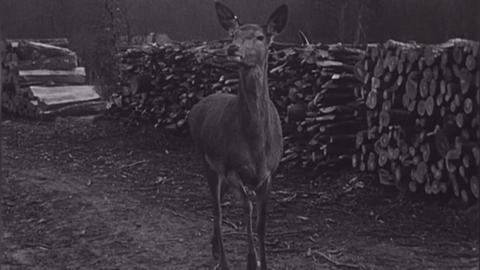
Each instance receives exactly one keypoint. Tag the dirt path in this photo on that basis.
(84, 195)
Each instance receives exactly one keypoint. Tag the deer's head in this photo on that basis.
(250, 42)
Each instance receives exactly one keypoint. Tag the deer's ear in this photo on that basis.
(277, 20)
(226, 17)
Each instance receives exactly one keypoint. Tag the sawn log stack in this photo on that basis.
(42, 76)
(422, 116)
(312, 87)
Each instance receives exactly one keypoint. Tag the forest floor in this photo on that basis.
(83, 194)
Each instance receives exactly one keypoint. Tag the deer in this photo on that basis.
(239, 136)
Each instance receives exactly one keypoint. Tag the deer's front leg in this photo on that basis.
(251, 256)
(262, 198)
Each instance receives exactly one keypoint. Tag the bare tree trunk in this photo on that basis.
(342, 21)
(2, 182)
(476, 24)
(126, 18)
(360, 31)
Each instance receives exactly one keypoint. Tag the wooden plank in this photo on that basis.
(53, 63)
(334, 64)
(60, 42)
(77, 109)
(29, 50)
(54, 97)
(79, 71)
(46, 76)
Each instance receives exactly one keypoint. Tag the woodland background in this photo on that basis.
(93, 25)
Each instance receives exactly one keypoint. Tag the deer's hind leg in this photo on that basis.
(217, 190)
(212, 179)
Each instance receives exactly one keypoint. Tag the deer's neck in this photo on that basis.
(254, 98)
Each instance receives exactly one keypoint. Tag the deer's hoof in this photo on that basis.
(215, 249)
(252, 262)
(220, 267)
(215, 253)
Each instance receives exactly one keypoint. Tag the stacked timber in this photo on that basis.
(423, 123)
(323, 113)
(312, 86)
(160, 83)
(40, 76)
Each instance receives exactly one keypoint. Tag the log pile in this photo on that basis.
(159, 84)
(40, 76)
(423, 123)
(323, 114)
(312, 86)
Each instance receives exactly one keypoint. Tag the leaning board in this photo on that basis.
(45, 76)
(57, 96)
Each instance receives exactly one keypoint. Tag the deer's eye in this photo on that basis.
(261, 38)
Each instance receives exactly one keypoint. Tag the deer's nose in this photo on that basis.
(232, 50)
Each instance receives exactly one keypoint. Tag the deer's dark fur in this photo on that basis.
(240, 136)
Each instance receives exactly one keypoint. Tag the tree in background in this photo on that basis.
(115, 25)
(92, 26)
(2, 181)
(360, 34)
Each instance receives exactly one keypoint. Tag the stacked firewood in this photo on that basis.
(312, 87)
(160, 83)
(323, 113)
(422, 116)
(41, 76)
